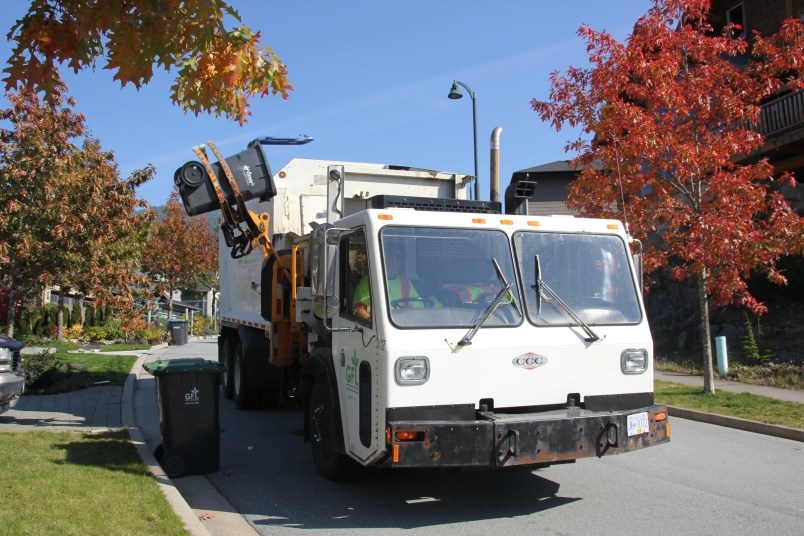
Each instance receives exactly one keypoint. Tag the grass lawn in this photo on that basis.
(742, 405)
(67, 483)
(119, 347)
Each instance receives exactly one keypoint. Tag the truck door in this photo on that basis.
(356, 351)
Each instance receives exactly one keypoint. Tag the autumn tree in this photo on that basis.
(219, 68)
(68, 220)
(101, 231)
(182, 253)
(668, 117)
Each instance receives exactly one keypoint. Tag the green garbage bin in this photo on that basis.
(178, 331)
(188, 398)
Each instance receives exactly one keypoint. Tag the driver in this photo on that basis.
(399, 287)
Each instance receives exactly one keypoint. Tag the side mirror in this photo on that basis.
(324, 262)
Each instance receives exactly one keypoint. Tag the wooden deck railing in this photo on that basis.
(782, 114)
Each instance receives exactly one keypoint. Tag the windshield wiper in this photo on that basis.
(496, 302)
(543, 288)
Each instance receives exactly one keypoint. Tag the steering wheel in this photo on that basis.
(400, 301)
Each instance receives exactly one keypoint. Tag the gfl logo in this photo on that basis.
(192, 396)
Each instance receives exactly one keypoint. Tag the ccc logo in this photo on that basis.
(529, 361)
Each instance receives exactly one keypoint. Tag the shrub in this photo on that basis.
(151, 335)
(32, 340)
(42, 369)
(75, 331)
(202, 325)
(96, 333)
(754, 350)
(75, 316)
(89, 315)
(114, 328)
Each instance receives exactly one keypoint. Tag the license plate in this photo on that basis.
(637, 424)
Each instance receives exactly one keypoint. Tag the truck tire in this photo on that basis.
(243, 395)
(326, 438)
(227, 360)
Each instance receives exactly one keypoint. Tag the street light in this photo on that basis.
(454, 94)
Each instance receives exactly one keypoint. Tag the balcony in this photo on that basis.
(782, 115)
(782, 123)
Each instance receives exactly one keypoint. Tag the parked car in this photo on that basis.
(12, 377)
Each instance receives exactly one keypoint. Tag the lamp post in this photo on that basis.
(455, 93)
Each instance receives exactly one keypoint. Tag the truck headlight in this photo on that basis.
(634, 361)
(6, 359)
(412, 370)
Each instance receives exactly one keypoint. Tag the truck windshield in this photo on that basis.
(589, 273)
(436, 278)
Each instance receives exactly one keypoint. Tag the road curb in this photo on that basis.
(166, 486)
(740, 424)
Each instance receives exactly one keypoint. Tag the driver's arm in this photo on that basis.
(361, 302)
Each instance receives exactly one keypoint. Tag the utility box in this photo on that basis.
(188, 397)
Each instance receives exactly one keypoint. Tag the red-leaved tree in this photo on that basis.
(668, 117)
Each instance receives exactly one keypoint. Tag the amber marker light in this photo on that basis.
(506, 222)
(396, 454)
(612, 226)
(408, 435)
(534, 223)
(478, 220)
(386, 217)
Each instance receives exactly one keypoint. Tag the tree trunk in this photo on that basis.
(706, 339)
(60, 316)
(11, 316)
(214, 311)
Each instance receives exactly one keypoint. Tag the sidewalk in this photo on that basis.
(203, 510)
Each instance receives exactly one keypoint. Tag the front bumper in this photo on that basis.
(503, 440)
(12, 384)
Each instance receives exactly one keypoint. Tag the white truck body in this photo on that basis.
(301, 199)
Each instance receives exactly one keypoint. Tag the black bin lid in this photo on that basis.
(190, 364)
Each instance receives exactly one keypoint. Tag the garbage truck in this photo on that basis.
(416, 327)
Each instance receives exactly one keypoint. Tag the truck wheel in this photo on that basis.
(227, 361)
(325, 434)
(242, 395)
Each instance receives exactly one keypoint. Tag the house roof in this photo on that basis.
(558, 166)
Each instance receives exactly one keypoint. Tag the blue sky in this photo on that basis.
(371, 81)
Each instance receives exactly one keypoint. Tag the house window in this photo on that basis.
(735, 16)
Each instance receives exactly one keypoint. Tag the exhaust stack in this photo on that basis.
(495, 164)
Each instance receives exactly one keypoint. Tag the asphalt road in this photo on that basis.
(707, 480)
